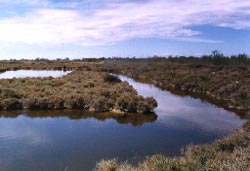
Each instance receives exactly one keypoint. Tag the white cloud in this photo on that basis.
(198, 40)
(115, 22)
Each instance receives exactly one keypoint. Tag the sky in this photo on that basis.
(125, 28)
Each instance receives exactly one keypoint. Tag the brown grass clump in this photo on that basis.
(108, 165)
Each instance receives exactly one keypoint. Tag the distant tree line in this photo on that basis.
(216, 58)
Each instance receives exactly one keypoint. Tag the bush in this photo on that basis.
(36, 103)
(74, 101)
(127, 103)
(8, 93)
(102, 104)
(111, 79)
(108, 165)
(11, 104)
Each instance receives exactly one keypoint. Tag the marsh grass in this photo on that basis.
(88, 90)
(226, 85)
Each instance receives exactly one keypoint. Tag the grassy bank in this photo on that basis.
(225, 85)
(229, 154)
(88, 90)
(45, 65)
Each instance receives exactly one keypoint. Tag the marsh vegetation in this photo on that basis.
(222, 80)
(90, 87)
(88, 90)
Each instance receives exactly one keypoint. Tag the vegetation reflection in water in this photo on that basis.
(135, 119)
(76, 140)
(185, 111)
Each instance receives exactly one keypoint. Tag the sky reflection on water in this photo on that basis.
(32, 73)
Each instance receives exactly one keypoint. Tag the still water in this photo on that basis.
(76, 140)
(32, 73)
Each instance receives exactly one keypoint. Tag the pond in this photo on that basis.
(32, 73)
(76, 140)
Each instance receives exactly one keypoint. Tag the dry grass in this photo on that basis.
(88, 90)
(226, 86)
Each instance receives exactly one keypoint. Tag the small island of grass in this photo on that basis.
(87, 90)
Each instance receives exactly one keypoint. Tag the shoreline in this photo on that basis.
(242, 112)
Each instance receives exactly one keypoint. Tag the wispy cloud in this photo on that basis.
(25, 2)
(71, 22)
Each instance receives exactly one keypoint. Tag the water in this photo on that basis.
(76, 140)
(32, 73)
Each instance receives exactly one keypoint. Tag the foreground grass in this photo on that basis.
(229, 154)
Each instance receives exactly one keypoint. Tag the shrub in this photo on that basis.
(102, 104)
(108, 165)
(111, 79)
(126, 103)
(36, 103)
(159, 163)
(11, 104)
(8, 93)
(56, 102)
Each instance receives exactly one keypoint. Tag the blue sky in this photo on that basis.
(96, 28)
